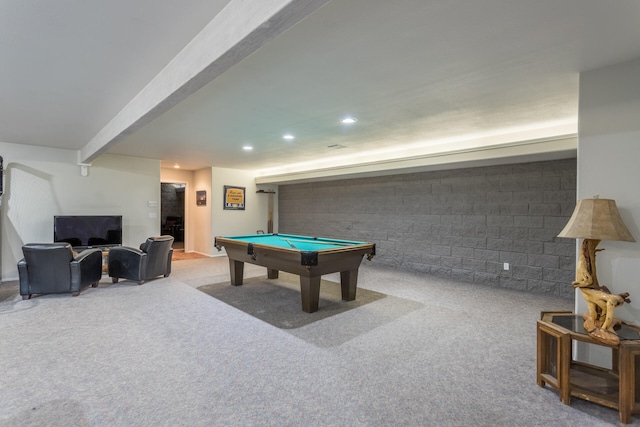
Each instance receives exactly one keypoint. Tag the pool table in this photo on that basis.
(307, 257)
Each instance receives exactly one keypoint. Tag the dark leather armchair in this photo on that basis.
(50, 268)
(153, 259)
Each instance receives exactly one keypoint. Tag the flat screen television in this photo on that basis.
(88, 230)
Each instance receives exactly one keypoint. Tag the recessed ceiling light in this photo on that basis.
(348, 120)
(176, 166)
(288, 137)
(247, 148)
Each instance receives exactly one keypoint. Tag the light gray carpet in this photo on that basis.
(8, 290)
(166, 354)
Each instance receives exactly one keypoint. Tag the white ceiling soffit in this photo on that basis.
(485, 155)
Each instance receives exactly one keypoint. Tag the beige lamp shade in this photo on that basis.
(597, 219)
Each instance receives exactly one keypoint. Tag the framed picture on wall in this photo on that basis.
(201, 198)
(234, 197)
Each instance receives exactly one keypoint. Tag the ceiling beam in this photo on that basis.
(240, 29)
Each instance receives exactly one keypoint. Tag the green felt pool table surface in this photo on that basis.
(290, 241)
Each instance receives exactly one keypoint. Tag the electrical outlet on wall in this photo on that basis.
(506, 265)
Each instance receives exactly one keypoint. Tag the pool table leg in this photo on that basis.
(272, 274)
(349, 284)
(310, 292)
(237, 271)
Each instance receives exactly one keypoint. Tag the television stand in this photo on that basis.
(105, 254)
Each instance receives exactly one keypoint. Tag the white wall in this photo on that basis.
(608, 158)
(204, 222)
(608, 155)
(238, 222)
(201, 218)
(41, 182)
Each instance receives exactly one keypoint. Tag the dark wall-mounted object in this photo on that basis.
(234, 198)
(201, 198)
(88, 230)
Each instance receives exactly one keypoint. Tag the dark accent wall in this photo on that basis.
(460, 223)
(172, 201)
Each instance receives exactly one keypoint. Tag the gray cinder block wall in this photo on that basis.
(172, 201)
(463, 223)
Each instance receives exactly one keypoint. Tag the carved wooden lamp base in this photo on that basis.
(601, 303)
(606, 336)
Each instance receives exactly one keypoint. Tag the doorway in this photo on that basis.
(172, 212)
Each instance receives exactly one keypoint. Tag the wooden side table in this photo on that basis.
(617, 388)
(105, 260)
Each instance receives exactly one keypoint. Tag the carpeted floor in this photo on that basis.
(8, 290)
(431, 352)
(278, 301)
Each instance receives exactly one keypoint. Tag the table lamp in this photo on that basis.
(594, 220)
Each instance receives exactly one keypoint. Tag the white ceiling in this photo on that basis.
(417, 74)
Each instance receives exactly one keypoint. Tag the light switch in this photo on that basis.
(152, 204)
(153, 215)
